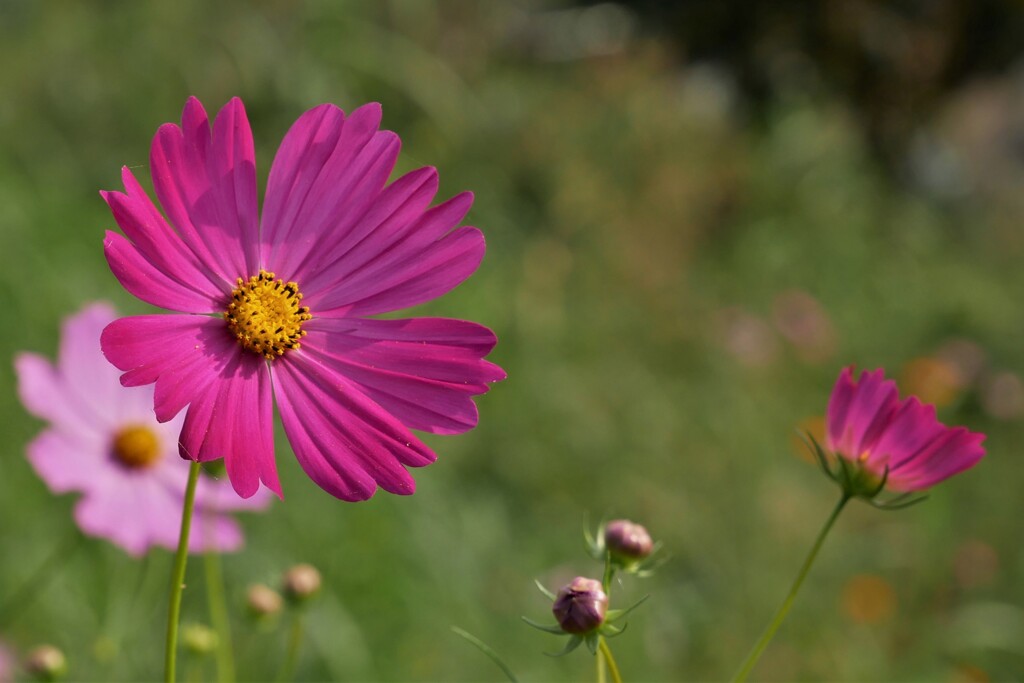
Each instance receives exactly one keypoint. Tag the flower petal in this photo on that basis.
(345, 442)
(207, 185)
(402, 266)
(859, 412)
(134, 516)
(67, 463)
(43, 394)
(955, 451)
(326, 174)
(147, 282)
(424, 371)
(158, 243)
(232, 418)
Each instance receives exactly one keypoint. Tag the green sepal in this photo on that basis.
(615, 614)
(573, 643)
(556, 629)
(548, 594)
(592, 640)
(610, 631)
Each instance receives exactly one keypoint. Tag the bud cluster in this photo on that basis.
(580, 607)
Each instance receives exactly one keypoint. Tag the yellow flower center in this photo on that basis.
(136, 447)
(265, 315)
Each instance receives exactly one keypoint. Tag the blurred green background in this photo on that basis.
(697, 213)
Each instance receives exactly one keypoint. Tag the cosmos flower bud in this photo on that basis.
(627, 542)
(199, 639)
(46, 663)
(301, 582)
(581, 606)
(263, 601)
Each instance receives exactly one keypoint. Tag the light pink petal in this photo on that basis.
(955, 451)
(327, 173)
(859, 413)
(89, 380)
(218, 495)
(43, 394)
(232, 419)
(67, 463)
(134, 516)
(424, 371)
(345, 442)
(214, 532)
(149, 283)
(147, 229)
(206, 184)
(401, 265)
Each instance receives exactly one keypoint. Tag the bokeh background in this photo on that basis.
(696, 214)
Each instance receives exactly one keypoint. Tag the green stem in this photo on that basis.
(606, 653)
(178, 573)
(599, 659)
(291, 661)
(219, 616)
(780, 615)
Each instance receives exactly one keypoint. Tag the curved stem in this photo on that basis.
(606, 652)
(780, 615)
(219, 616)
(178, 573)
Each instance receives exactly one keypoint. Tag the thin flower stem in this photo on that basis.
(601, 677)
(219, 616)
(606, 653)
(291, 661)
(178, 573)
(780, 615)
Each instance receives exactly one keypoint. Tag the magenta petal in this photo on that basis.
(327, 197)
(207, 187)
(424, 371)
(912, 428)
(346, 443)
(955, 451)
(147, 229)
(232, 419)
(394, 211)
(433, 272)
(149, 283)
(859, 413)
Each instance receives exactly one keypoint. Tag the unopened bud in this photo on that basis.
(199, 639)
(581, 606)
(263, 601)
(301, 582)
(627, 541)
(46, 663)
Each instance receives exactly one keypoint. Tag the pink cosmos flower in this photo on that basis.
(275, 306)
(868, 425)
(103, 441)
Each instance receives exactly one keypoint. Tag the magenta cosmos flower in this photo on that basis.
(103, 441)
(869, 426)
(275, 305)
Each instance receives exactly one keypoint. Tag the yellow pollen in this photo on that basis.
(136, 447)
(265, 316)
(864, 456)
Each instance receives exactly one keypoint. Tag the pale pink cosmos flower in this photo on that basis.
(275, 306)
(870, 426)
(104, 442)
